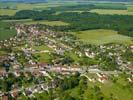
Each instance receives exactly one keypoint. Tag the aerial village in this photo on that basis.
(25, 58)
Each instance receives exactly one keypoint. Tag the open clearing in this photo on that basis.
(102, 36)
(116, 89)
(111, 5)
(6, 31)
(15, 21)
(6, 34)
(111, 12)
(130, 8)
(9, 12)
(50, 23)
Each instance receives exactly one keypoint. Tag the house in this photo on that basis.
(27, 92)
(2, 72)
(102, 77)
(130, 80)
(90, 54)
(17, 73)
(33, 66)
(42, 65)
(130, 68)
(4, 97)
(15, 94)
(16, 66)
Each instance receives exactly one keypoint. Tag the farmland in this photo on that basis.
(130, 8)
(30, 22)
(111, 12)
(111, 5)
(9, 12)
(50, 23)
(13, 8)
(102, 36)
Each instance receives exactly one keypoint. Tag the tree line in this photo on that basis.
(80, 21)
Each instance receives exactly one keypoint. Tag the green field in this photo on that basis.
(117, 90)
(111, 5)
(102, 36)
(41, 48)
(130, 8)
(21, 6)
(15, 21)
(10, 5)
(30, 22)
(7, 12)
(43, 57)
(51, 23)
(111, 12)
(6, 31)
(6, 34)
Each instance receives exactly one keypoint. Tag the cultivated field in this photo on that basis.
(10, 11)
(15, 21)
(102, 36)
(111, 5)
(111, 12)
(7, 12)
(130, 8)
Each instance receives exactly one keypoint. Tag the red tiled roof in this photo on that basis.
(130, 67)
(4, 97)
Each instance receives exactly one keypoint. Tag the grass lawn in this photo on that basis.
(41, 48)
(42, 95)
(111, 12)
(51, 23)
(117, 89)
(73, 56)
(5, 31)
(30, 22)
(2, 52)
(107, 88)
(43, 57)
(102, 36)
(6, 34)
(9, 12)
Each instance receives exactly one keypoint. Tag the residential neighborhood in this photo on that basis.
(66, 49)
(21, 61)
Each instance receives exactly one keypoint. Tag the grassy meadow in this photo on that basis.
(111, 5)
(41, 48)
(102, 36)
(130, 8)
(111, 12)
(117, 90)
(6, 34)
(6, 31)
(50, 23)
(9, 12)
